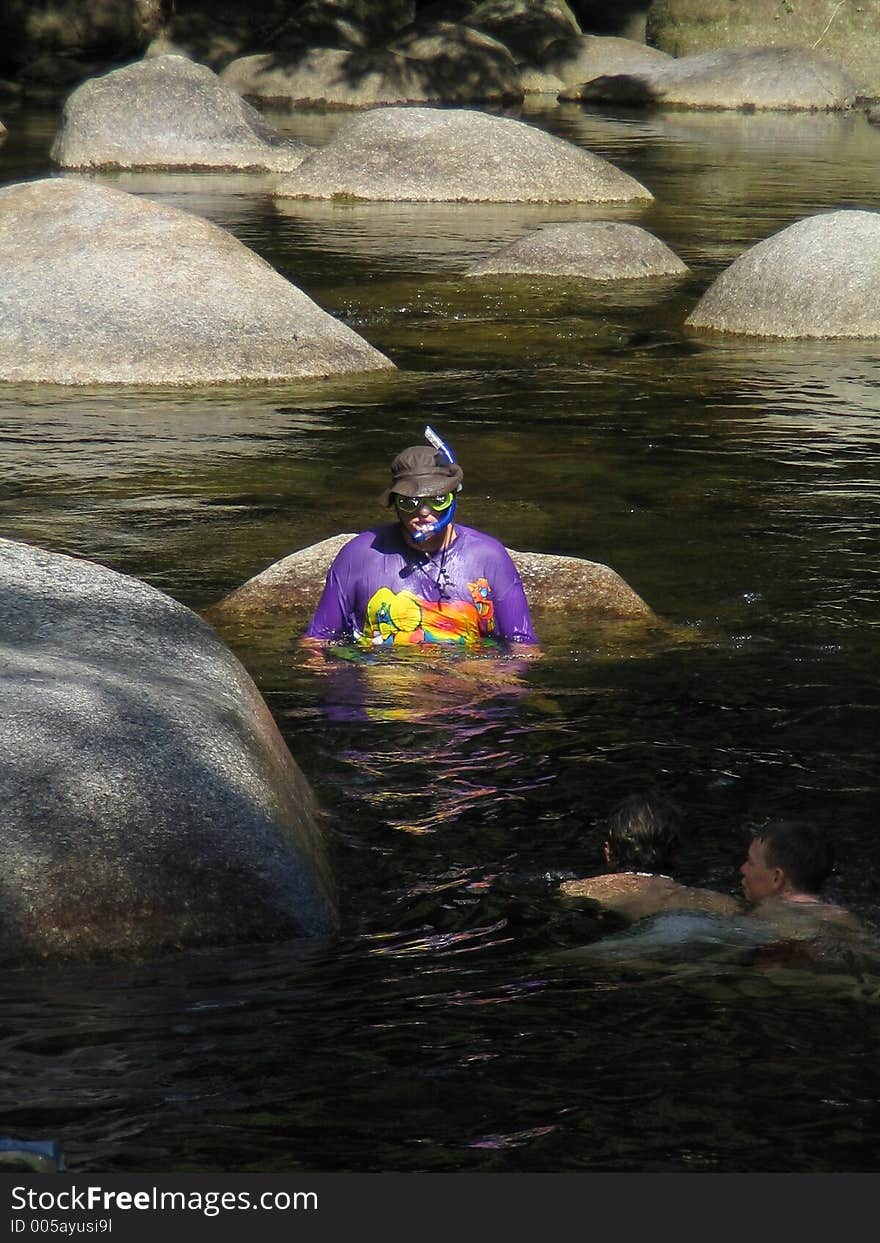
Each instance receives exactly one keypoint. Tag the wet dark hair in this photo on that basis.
(642, 832)
(801, 849)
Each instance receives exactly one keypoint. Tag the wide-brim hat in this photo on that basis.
(422, 471)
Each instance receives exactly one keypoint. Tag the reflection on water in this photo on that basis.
(732, 483)
(283, 1061)
(451, 711)
(425, 686)
(427, 237)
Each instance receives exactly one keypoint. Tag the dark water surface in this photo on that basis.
(734, 484)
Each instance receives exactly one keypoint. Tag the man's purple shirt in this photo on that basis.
(380, 591)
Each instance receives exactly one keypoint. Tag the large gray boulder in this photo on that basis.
(98, 286)
(458, 63)
(768, 77)
(600, 250)
(817, 278)
(218, 33)
(292, 586)
(580, 589)
(441, 155)
(447, 64)
(325, 77)
(848, 33)
(167, 112)
(578, 60)
(343, 23)
(539, 82)
(149, 801)
(57, 42)
(527, 27)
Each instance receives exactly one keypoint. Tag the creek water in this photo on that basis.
(733, 483)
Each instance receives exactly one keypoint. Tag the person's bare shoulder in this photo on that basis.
(615, 885)
(635, 895)
(803, 918)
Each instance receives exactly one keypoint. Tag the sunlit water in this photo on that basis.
(734, 484)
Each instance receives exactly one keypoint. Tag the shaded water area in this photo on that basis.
(733, 483)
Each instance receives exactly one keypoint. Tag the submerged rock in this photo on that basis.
(167, 112)
(99, 286)
(293, 585)
(602, 250)
(768, 77)
(817, 278)
(457, 155)
(35, 1156)
(150, 801)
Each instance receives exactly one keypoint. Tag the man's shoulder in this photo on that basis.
(479, 540)
(638, 894)
(801, 915)
(380, 539)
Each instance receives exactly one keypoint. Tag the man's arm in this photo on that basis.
(635, 895)
(330, 619)
(513, 621)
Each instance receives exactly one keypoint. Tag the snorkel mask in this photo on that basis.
(442, 518)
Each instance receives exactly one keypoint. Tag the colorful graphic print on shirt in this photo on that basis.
(395, 617)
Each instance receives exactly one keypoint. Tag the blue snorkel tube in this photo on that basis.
(442, 523)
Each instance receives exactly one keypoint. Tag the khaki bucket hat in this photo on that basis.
(422, 471)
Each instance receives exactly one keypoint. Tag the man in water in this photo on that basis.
(786, 868)
(422, 578)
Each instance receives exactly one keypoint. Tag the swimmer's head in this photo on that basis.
(787, 856)
(422, 470)
(642, 834)
(423, 473)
